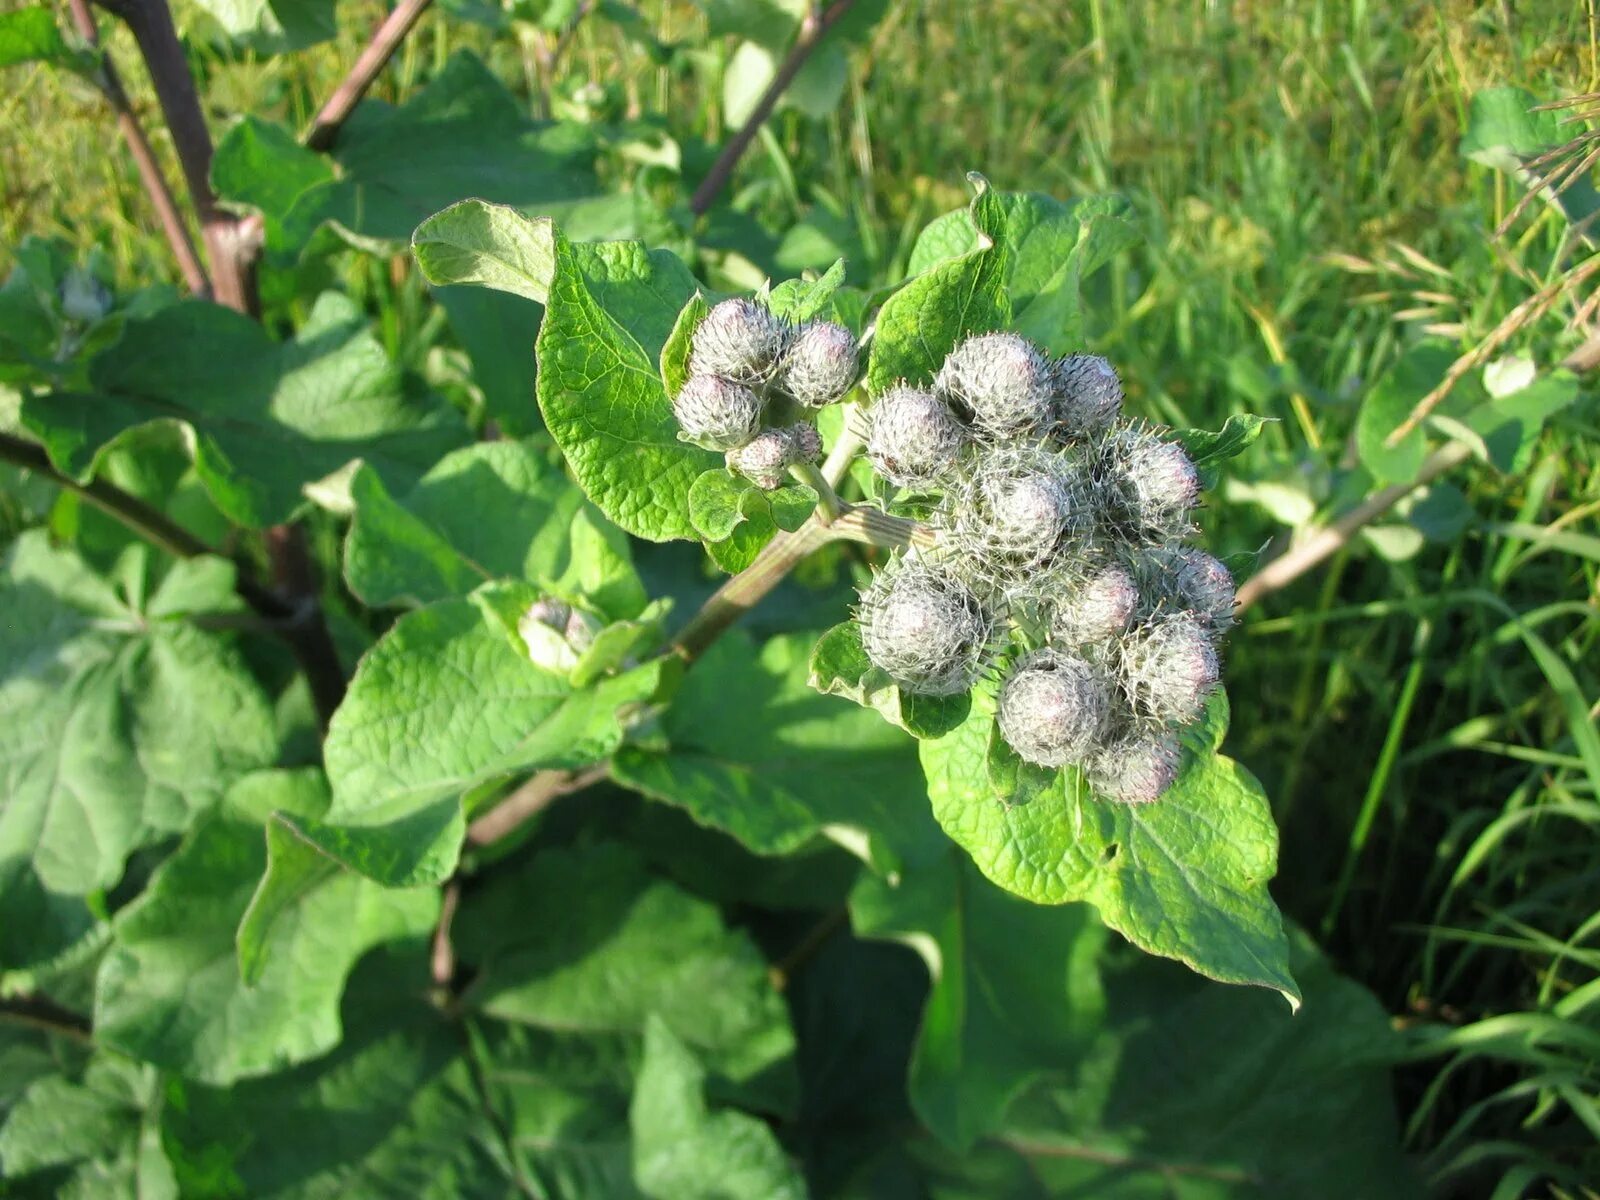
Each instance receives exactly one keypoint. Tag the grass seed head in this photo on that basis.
(716, 413)
(1053, 708)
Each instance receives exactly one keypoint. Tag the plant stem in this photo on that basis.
(231, 243)
(541, 790)
(292, 619)
(1285, 569)
(813, 27)
(829, 506)
(385, 41)
(144, 159)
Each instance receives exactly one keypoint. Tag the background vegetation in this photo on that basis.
(1419, 706)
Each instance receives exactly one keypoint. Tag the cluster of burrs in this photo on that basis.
(1061, 562)
(752, 379)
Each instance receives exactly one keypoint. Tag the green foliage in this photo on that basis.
(262, 418)
(120, 722)
(1184, 877)
(765, 925)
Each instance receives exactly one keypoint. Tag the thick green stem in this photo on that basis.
(829, 506)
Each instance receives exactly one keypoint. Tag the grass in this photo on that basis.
(1424, 722)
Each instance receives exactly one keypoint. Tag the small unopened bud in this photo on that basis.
(807, 443)
(1013, 507)
(765, 459)
(739, 340)
(925, 628)
(556, 634)
(1098, 608)
(83, 297)
(914, 440)
(1053, 708)
(1003, 381)
(716, 413)
(1194, 580)
(1136, 768)
(1156, 480)
(1169, 667)
(820, 365)
(1088, 394)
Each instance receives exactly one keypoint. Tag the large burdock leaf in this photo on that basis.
(683, 1150)
(169, 990)
(449, 699)
(496, 510)
(1016, 989)
(1185, 877)
(1193, 1090)
(393, 1113)
(587, 941)
(610, 310)
(1051, 248)
(261, 418)
(921, 323)
(753, 751)
(92, 1131)
(119, 722)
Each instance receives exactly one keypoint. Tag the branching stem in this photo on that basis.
(385, 41)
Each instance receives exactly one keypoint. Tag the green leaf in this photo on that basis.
(100, 1125)
(721, 502)
(463, 135)
(587, 942)
(1208, 450)
(684, 1151)
(922, 322)
(261, 165)
(1199, 1091)
(393, 1112)
(1503, 129)
(446, 701)
(1051, 248)
(611, 309)
(1184, 877)
(494, 510)
(756, 753)
(1510, 425)
(488, 244)
(117, 726)
(274, 26)
(716, 503)
(840, 667)
(679, 345)
(31, 35)
(264, 418)
(1390, 402)
(997, 1019)
(801, 300)
(169, 991)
